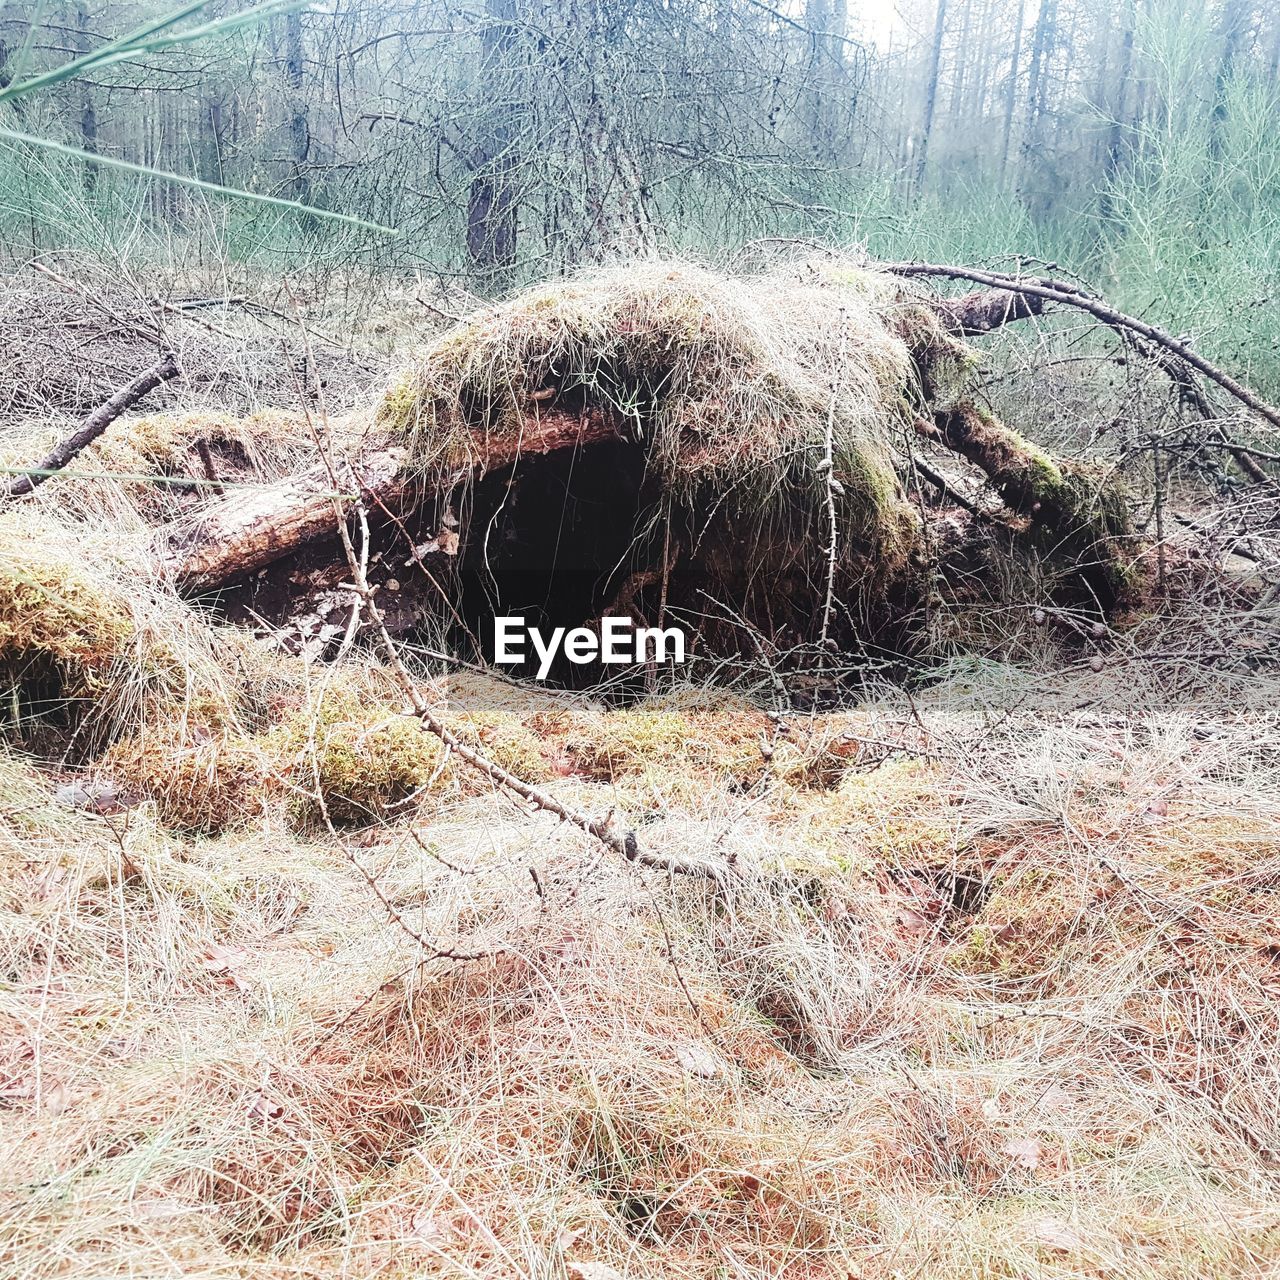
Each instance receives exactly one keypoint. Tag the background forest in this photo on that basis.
(1132, 142)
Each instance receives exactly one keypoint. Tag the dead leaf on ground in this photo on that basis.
(429, 1229)
(225, 962)
(1025, 1151)
(263, 1108)
(699, 1061)
(57, 1097)
(593, 1271)
(1053, 1233)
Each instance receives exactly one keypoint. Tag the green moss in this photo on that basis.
(356, 759)
(506, 740)
(77, 650)
(56, 611)
(202, 781)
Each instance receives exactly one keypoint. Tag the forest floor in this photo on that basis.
(995, 995)
(992, 991)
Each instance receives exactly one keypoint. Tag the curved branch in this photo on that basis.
(1069, 295)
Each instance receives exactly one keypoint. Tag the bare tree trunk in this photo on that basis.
(88, 113)
(960, 59)
(1037, 91)
(1115, 135)
(930, 94)
(491, 204)
(1235, 20)
(1011, 94)
(828, 80)
(299, 128)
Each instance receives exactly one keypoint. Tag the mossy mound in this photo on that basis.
(85, 644)
(202, 782)
(354, 760)
(725, 380)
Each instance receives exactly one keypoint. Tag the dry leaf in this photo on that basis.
(1053, 1233)
(913, 921)
(1025, 1151)
(593, 1271)
(1055, 1098)
(223, 962)
(699, 1061)
(429, 1229)
(262, 1108)
(448, 541)
(56, 1098)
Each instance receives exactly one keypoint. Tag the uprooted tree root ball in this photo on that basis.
(662, 439)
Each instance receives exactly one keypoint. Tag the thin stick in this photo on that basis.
(827, 467)
(94, 425)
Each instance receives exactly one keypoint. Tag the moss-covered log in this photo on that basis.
(1078, 514)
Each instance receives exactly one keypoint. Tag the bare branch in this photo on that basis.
(94, 425)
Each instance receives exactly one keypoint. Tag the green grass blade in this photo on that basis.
(23, 54)
(198, 184)
(105, 52)
(102, 58)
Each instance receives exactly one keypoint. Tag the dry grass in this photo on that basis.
(67, 351)
(732, 380)
(1006, 1011)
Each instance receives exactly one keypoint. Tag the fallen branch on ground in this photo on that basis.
(94, 425)
(254, 529)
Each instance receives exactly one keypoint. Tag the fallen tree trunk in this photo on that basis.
(254, 528)
(980, 312)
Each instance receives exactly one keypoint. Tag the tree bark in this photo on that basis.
(1076, 516)
(252, 529)
(491, 202)
(980, 312)
(1011, 93)
(930, 94)
(1172, 356)
(299, 125)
